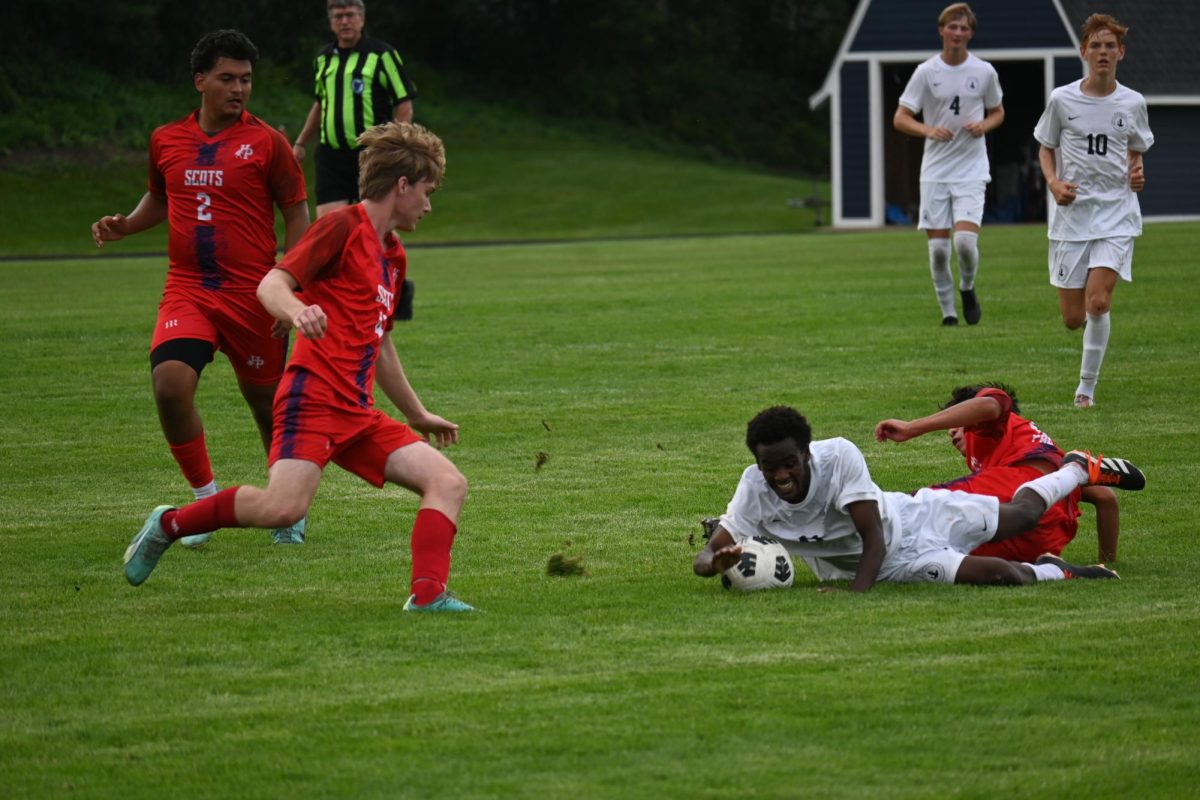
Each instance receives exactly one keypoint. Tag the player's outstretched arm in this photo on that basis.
(975, 411)
(1108, 520)
(150, 211)
(718, 555)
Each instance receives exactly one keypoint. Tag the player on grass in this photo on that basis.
(958, 97)
(338, 288)
(1004, 451)
(818, 499)
(1099, 130)
(215, 176)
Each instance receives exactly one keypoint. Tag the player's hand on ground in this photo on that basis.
(976, 129)
(311, 322)
(1137, 178)
(1064, 193)
(726, 557)
(438, 431)
(895, 430)
(108, 228)
(940, 134)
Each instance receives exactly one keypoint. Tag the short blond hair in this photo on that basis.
(1102, 22)
(395, 150)
(955, 11)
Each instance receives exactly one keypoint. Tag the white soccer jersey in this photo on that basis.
(819, 527)
(1093, 137)
(950, 97)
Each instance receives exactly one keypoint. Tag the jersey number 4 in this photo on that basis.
(954, 105)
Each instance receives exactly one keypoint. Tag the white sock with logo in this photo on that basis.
(1057, 485)
(1047, 572)
(207, 490)
(966, 245)
(1095, 343)
(943, 278)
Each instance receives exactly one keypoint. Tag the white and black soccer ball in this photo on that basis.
(764, 564)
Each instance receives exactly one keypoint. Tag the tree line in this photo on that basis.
(731, 77)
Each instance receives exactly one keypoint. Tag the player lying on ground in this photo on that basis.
(818, 499)
(1003, 452)
(349, 265)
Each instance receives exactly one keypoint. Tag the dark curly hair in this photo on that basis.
(775, 424)
(230, 44)
(964, 393)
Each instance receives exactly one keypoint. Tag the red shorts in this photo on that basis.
(1054, 530)
(233, 322)
(307, 426)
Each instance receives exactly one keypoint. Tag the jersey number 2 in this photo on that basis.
(202, 212)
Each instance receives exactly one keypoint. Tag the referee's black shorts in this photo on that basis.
(337, 175)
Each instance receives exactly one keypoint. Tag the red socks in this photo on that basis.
(432, 537)
(202, 516)
(192, 458)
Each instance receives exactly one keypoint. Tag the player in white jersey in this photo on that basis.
(818, 499)
(1099, 130)
(958, 97)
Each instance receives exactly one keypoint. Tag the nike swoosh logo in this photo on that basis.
(1071, 118)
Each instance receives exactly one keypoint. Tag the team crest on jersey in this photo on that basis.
(244, 152)
(933, 572)
(972, 84)
(1118, 121)
(357, 85)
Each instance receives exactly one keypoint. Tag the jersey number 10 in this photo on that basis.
(1097, 144)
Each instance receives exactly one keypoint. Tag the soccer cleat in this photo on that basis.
(1071, 571)
(709, 524)
(446, 601)
(146, 548)
(199, 540)
(1083, 401)
(290, 535)
(949, 321)
(1106, 471)
(972, 311)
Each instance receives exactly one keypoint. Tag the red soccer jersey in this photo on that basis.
(1008, 439)
(220, 192)
(342, 267)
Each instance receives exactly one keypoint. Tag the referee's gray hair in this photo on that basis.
(332, 4)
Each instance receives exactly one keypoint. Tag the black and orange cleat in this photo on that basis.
(1116, 473)
(1072, 571)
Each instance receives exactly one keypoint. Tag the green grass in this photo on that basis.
(247, 670)
(509, 177)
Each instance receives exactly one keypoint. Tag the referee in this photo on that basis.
(360, 82)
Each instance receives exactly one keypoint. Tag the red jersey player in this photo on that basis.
(350, 266)
(215, 176)
(1003, 451)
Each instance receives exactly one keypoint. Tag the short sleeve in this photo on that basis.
(854, 482)
(740, 517)
(156, 182)
(1141, 139)
(914, 91)
(284, 175)
(394, 79)
(994, 95)
(1048, 129)
(318, 254)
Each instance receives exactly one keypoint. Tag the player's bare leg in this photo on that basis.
(261, 399)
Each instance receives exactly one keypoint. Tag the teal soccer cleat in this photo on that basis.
(290, 535)
(146, 548)
(446, 601)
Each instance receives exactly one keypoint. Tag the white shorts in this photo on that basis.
(943, 204)
(1070, 261)
(938, 529)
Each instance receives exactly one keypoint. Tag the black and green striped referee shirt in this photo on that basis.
(358, 88)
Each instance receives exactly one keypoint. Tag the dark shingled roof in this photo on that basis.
(1160, 56)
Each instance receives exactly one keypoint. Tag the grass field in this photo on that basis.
(249, 670)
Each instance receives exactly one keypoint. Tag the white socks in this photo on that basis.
(966, 245)
(1047, 572)
(1095, 343)
(207, 490)
(943, 279)
(1057, 485)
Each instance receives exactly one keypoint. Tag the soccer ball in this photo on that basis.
(764, 564)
